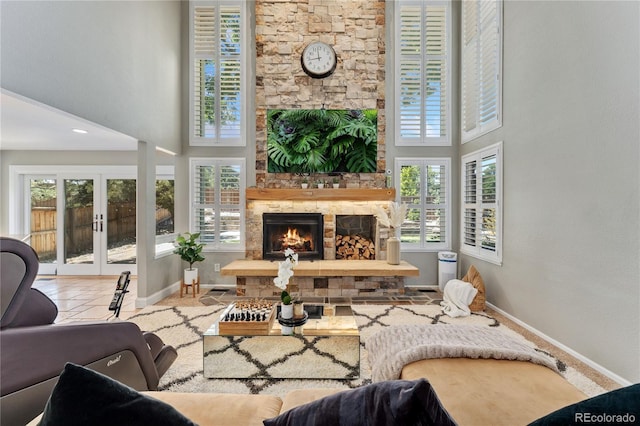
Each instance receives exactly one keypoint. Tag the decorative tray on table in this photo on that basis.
(247, 317)
(295, 321)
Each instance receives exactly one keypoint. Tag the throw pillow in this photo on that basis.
(473, 277)
(620, 406)
(394, 402)
(85, 397)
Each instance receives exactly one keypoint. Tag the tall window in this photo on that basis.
(482, 204)
(481, 67)
(423, 88)
(216, 95)
(165, 209)
(425, 186)
(217, 204)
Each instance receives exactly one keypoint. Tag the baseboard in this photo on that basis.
(143, 302)
(613, 376)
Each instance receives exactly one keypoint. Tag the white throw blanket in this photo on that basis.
(457, 297)
(391, 348)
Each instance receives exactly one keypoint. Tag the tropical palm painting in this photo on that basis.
(322, 140)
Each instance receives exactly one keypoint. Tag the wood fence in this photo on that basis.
(80, 226)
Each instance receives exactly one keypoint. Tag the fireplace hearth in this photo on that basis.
(301, 232)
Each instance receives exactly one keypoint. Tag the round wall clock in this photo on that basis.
(318, 59)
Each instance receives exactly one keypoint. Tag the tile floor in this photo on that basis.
(87, 298)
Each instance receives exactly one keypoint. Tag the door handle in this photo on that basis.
(94, 225)
(101, 224)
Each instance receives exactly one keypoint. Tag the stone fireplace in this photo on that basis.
(301, 232)
(343, 211)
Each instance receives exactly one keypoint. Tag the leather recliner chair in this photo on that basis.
(34, 350)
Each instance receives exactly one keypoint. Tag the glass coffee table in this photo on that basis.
(327, 346)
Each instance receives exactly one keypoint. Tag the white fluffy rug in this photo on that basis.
(182, 327)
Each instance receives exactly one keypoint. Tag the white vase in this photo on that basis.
(336, 185)
(393, 251)
(320, 185)
(304, 185)
(286, 311)
(190, 275)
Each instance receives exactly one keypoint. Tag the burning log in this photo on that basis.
(292, 239)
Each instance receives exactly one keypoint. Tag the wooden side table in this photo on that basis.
(185, 287)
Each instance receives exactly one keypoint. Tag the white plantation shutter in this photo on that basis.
(436, 203)
(231, 205)
(204, 205)
(425, 186)
(481, 67)
(216, 94)
(204, 33)
(217, 200)
(469, 194)
(230, 75)
(422, 66)
(481, 204)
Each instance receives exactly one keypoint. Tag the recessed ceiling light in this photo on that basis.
(80, 131)
(166, 151)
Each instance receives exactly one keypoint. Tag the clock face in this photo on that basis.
(318, 60)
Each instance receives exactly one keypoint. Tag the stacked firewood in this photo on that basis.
(354, 247)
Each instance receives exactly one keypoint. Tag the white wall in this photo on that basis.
(571, 184)
(116, 63)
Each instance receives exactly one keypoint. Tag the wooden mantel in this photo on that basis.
(322, 268)
(325, 194)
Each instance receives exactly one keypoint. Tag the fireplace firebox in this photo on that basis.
(301, 232)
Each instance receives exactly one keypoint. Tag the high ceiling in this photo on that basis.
(26, 124)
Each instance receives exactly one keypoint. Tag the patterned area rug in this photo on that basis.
(182, 327)
(283, 357)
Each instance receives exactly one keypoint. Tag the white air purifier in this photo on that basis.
(447, 267)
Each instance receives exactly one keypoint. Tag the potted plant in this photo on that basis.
(189, 251)
(305, 183)
(393, 220)
(320, 184)
(285, 272)
(336, 182)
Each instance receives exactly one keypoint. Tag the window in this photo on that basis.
(165, 210)
(481, 67)
(217, 205)
(216, 95)
(482, 204)
(423, 89)
(425, 187)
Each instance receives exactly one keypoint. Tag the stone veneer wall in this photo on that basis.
(305, 287)
(355, 29)
(329, 209)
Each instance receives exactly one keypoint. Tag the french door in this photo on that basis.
(88, 227)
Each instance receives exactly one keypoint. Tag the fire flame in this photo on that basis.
(294, 240)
